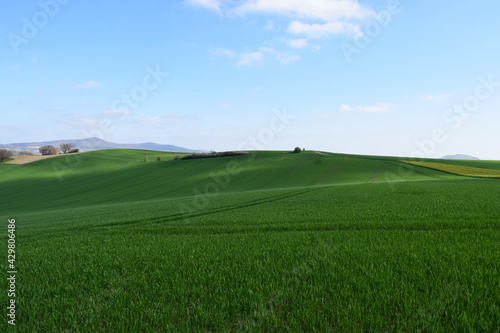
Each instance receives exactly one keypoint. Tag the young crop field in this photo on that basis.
(269, 242)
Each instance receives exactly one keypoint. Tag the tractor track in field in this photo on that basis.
(376, 175)
(292, 170)
(331, 171)
(179, 217)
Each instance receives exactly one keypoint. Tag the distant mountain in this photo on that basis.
(459, 157)
(97, 144)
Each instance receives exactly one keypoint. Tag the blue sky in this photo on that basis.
(403, 78)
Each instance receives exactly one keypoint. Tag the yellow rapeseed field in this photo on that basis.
(459, 169)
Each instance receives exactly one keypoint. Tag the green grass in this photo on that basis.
(287, 243)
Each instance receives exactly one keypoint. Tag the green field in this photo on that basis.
(269, 242)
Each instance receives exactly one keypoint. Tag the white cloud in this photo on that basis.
(250, 59)
(214, 5)
(298, 43)
(220, 51)
(435, 97)
(282, 57)
(378, 108)
(325, 10)
(257, 58)
(116, 112)
(225, 106)
(88, 85)
(286, 58)
(160, 120)
(271, 26)
(345, 108)
(317, 30)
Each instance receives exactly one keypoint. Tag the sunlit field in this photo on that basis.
(270, 242)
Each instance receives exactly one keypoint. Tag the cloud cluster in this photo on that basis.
(377, 108)
(298, 43)
(255, 58)
(317, 30)
(250, 59)
(87, 121)
(214, 5)
(221, 51)
(311, 18)
(117, 112)
(160, 120)
(325, 10)
(439, 97)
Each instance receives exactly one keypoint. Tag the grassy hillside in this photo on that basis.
(114, 176)
(271, 242)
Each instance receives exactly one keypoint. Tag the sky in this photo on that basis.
(416, 78)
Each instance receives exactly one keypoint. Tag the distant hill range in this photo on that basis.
(97, 144)
(459, 157)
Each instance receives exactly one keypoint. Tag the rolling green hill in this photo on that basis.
(116, 176)
(272, 241)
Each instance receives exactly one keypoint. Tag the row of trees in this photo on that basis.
(297, 150)
(210, 155)
(6, 154)
(65, 148)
